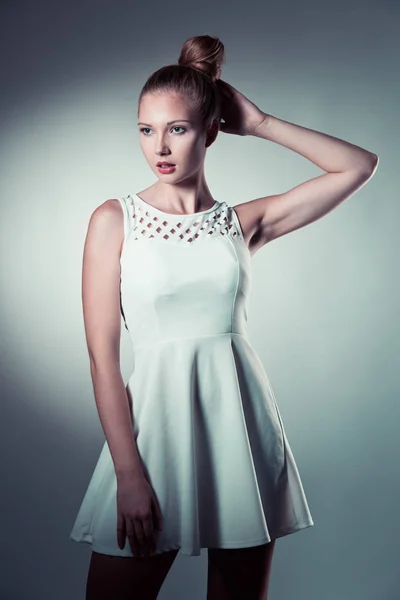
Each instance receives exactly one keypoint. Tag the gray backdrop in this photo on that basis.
(324, 311)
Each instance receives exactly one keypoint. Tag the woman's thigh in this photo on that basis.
(238, 573)
(127, 578)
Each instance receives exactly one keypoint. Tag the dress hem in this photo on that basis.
(232, 544)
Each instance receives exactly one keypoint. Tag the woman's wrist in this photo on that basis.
(262, 128)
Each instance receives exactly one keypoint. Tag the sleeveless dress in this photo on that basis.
(205, 419)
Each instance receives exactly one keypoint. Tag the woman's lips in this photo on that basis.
(166, 169)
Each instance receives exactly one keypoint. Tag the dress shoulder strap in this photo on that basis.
(128, 210)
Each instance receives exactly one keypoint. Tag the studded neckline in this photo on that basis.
(181, 216)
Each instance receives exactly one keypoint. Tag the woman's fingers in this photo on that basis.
(139, 533)
(141, 536)
(148, 531)
(135, 535)
(121, 531)
(140, 530)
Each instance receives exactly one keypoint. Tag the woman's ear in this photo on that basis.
(212, 132)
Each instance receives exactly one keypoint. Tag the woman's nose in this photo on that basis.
(161, 149)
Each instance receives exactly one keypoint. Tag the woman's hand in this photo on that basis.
(241, 116)
(138, 515)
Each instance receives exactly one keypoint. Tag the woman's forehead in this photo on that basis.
(166, 107)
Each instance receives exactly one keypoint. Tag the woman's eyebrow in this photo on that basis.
(169, 122)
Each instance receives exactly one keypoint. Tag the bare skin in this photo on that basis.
(238, 573)
(233, 574)
(127, 578)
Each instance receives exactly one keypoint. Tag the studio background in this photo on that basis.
(323, 315)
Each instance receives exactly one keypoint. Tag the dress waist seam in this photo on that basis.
(190, 337)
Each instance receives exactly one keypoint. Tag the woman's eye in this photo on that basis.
(176, 127)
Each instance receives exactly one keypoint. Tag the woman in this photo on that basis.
(196, 453)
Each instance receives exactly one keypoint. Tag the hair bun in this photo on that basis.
(203, 53)
(203, 66)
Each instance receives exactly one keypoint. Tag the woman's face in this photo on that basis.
(170, 130)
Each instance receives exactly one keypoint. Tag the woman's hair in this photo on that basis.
(195, 76)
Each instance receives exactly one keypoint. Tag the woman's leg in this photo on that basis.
(238, 573)
(127, 578)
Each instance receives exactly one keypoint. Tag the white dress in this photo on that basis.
(205, 419)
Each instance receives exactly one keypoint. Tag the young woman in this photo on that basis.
(196, 453)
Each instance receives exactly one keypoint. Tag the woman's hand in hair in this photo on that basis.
(240, 114)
